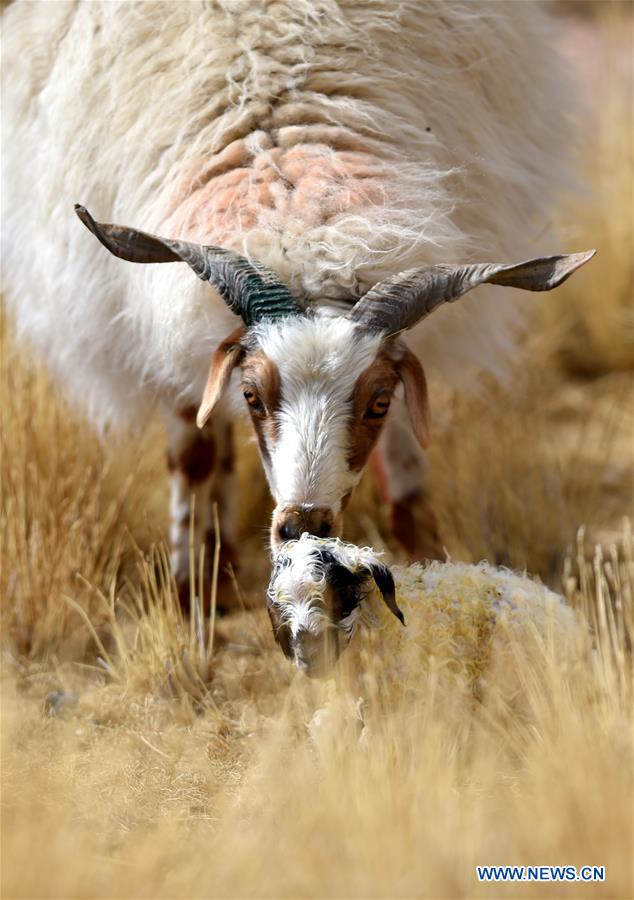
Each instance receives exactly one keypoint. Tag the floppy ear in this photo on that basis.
(416, 398)
(223, 362)
(385, 583)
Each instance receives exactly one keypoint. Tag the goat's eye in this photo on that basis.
(379, 407)
(254, 402)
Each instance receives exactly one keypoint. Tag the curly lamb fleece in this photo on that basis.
(338, 142)
(468, 621)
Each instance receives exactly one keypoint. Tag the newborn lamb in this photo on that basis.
(325, 595)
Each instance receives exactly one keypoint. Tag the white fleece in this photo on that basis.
(338, 142)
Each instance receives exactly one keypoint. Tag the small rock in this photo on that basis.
(57, 701)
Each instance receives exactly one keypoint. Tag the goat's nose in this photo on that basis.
(289, 530)
(294, 521)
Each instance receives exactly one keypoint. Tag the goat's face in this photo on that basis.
(318, 391)
(314, 595)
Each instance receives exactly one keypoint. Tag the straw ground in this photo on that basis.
(141, 761)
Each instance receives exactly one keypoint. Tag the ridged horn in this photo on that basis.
(248, 288)
(399, 302)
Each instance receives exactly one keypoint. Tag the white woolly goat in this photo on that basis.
(336, 143)
(329, 599)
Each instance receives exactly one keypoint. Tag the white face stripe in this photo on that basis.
(319, 361)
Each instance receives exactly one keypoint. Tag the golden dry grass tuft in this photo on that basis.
(138, 761)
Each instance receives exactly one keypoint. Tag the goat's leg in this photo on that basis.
(224, 495)
(194, 459)
(404, 475)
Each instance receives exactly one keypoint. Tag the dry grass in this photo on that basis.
(164, 767)
(135, 792)
(593, 332)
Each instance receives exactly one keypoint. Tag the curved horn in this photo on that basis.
(248, 288)
(403, 300)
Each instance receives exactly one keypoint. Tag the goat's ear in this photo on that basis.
(416, 397)
(385, 583)
(223, 362)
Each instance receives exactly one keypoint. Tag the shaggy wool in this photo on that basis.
(336, 142)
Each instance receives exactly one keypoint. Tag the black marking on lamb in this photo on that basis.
(348, 588)
(385, 583)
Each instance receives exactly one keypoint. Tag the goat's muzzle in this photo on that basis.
(290, 522)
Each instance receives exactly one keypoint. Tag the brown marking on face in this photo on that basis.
(345, 500)
(261, 378)
(378, 381)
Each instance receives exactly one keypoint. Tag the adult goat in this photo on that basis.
(333, 144)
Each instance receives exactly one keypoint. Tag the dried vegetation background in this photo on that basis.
(139, 761)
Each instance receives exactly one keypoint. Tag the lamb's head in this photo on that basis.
(315, 596)
(318, 387)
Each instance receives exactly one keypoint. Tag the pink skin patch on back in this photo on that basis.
(249, 184)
